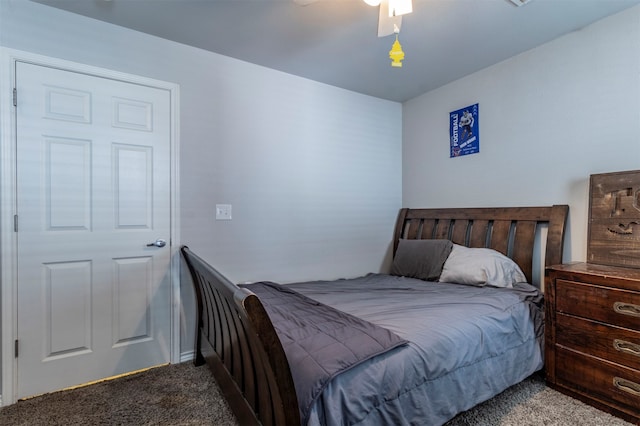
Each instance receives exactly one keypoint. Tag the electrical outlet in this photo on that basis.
(223, 211)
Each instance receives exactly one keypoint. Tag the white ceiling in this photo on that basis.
(335, 42)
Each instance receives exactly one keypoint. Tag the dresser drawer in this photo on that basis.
(615, 344)
(619, 307)
(610, 382)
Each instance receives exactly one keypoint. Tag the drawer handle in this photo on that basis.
(627, 386)
(626, 347)
(627, 309)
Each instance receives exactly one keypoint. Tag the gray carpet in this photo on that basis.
(182, 394)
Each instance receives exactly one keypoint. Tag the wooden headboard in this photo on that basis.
(509, 230)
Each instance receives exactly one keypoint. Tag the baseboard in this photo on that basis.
(187, 356)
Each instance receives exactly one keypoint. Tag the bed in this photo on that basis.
(423, 350)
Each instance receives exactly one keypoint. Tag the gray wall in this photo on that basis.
(549, 118)
(313, 172)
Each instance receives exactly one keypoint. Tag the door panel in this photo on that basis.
(132, 288)
(133, 173)
(67, 303)
(93, 189)
(67, 182)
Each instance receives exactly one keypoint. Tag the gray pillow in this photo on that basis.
(480, 267)
(421, 259)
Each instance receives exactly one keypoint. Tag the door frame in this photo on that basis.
(8, 195)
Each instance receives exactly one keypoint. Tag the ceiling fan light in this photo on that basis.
(400, 7)
(373, 2)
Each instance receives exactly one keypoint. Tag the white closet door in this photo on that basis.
(93, 190)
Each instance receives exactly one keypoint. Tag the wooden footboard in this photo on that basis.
(236, 338)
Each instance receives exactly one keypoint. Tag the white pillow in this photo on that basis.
(479, 267)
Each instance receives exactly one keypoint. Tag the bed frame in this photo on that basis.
(236, 338)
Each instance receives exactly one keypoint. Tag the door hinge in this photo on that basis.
(15, 97)
(15, 348)
(15, 223)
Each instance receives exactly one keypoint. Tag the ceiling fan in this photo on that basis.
(390, 21)
(390, 16)
(391, 11)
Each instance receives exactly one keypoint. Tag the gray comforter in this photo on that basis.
(466, 344)
(320, 342)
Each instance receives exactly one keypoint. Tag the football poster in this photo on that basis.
(464, 137)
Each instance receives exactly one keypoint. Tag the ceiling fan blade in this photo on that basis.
(304, 2)
(386, 23)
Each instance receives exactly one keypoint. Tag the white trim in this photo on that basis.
(8, 252)
(175, 242)
(7, 236)
(187, 356)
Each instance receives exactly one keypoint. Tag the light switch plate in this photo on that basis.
(520, 2)
(223, 211)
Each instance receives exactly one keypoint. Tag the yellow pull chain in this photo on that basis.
(396, 54)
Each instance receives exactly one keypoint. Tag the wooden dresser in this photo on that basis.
(592, 333)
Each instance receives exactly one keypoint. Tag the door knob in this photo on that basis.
(157, 243)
